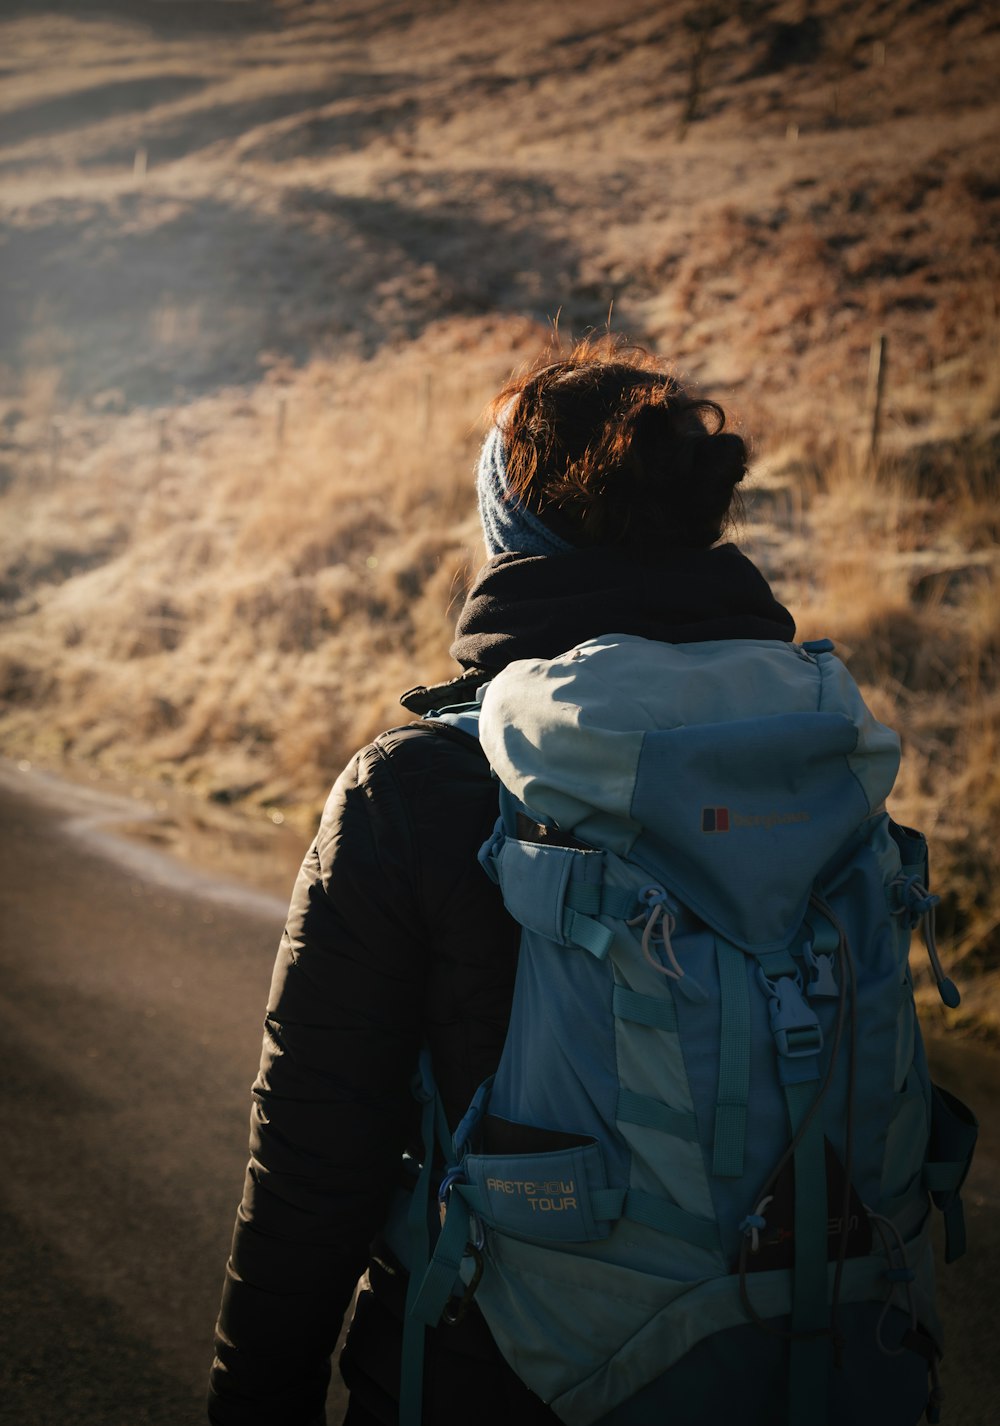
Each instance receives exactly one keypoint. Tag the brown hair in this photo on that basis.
(606, 446)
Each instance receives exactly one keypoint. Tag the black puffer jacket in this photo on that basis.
(394, 936)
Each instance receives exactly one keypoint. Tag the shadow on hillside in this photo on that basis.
(90, 106)
(162, 19)
(178, 19)
(271, 126)
(324, 133)
(204, 127)
(156, 301)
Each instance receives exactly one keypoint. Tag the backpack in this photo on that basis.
(698, 1185)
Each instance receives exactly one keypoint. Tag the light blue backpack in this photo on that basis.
(698, 1186)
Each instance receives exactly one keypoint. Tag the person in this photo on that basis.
(604, 489)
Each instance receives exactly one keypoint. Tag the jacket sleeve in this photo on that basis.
(331, 1103)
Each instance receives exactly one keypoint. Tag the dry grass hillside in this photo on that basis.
(263, 265)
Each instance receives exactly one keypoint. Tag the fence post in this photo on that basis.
(55, 446)
(426, 394)
(877, 363)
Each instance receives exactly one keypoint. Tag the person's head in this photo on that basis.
(604, 447)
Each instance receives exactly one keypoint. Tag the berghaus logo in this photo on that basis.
(722, 819)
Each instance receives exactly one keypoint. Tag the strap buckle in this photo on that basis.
(796, 1029)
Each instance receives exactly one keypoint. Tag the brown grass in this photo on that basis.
(899, 564)
(250, 611)
(259, 292)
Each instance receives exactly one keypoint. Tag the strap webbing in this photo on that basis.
(776, 963)
(433, 1128)
(825, 935)
(954, 1230)
(587, 933)
(809, 1356)
(734, 1063)
(656, 1011)
(953, 1139)
(649, 1113)
(657, 1212)
(945, 1181)
(940, 1178)
(593, 898)
(436, 1285)
(584, 901)
(411, 1384)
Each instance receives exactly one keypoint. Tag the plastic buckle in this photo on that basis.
(796, 1030)
(822, 981)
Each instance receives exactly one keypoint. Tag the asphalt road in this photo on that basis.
(131, 995)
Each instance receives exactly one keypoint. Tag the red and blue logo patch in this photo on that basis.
(715, 819)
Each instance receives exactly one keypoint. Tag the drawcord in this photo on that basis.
(922, 904)
(901, 1275)
(755, 1221)
(658, 916)
(904, 1277)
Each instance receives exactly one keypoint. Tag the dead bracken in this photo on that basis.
(259, 294)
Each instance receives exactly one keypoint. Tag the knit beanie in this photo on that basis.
(508, 525)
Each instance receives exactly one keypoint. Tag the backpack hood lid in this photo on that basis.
(733, 771)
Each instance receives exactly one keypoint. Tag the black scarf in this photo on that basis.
(538, 606)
